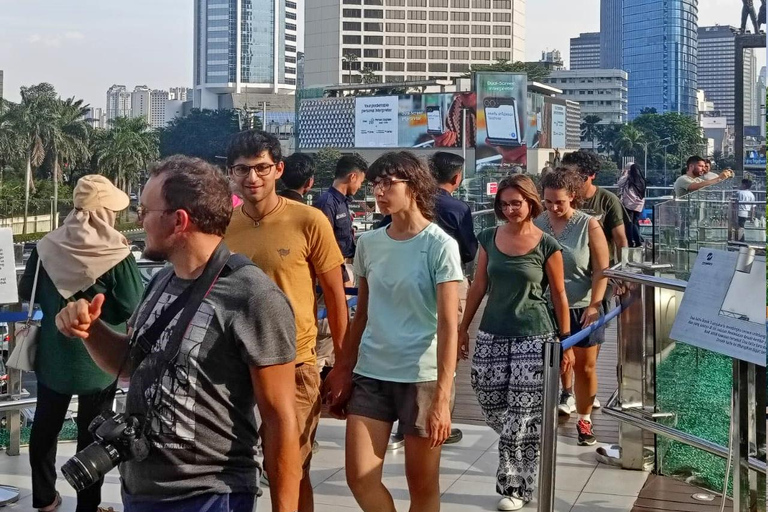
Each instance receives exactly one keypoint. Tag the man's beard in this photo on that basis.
(156, 255)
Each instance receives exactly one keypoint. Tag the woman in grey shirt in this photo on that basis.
(585, 255)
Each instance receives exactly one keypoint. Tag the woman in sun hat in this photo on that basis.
(84, 257)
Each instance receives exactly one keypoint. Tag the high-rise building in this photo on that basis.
(1, 84)
(585, 51)
(140, 101)
(244, 46)
(611, 21)
(599, 92)
(716, 72)
(659, 51)
(761, 92)
(180, 93)
(118, 102)
(406, 40)
(96, 117)
(158, 101)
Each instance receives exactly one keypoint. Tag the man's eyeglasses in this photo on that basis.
(241, 171)
(512, 205)
(386, 183)
(142, 211)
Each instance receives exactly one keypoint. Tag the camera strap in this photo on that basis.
(187, 302)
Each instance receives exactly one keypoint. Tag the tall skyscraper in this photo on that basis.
(244, 46)
(158, 101)
(659, 51)
(399, 40)
(140, 101)
(118, 102)
(585, 51)
(611, 19)
(716, 71)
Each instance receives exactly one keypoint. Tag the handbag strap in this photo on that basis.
(31, 308)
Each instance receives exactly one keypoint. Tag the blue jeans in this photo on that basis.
(236, 502)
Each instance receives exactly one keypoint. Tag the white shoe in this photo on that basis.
(596, 404)
(509, 503)
(567, 404)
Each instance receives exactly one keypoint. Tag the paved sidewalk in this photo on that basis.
(466, 478)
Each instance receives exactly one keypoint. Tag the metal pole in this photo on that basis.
(548, 451)
(464, 147)
(645, 162)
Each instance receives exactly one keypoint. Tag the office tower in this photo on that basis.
(716, 72)
(585, 51)
(118, 102)
(140, 98)
(659, 51)
(611, 19)
(180, 94)
(599, 92)
(244, 46)
(408, 40)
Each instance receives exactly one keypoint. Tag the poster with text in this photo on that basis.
(9, 293)
(436, 120)
(501, 121)
(376, 122)
(722, 308)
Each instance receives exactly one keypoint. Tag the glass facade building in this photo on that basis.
(611, 16)
(244, 46)
(659, 51)
(585, 51)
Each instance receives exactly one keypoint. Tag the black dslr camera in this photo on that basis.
(118, 439)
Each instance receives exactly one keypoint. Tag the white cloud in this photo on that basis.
(74, 35)
(34, 38)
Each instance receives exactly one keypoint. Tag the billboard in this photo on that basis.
(436, 120)
(501, 121)
(376, 122)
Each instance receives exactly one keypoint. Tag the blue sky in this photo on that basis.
(84, 46)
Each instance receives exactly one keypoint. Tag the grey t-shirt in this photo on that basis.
(204, 436)
(683, 182)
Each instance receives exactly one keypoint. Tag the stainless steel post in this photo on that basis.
(548, 450)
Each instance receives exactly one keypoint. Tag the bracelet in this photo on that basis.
(563, 335)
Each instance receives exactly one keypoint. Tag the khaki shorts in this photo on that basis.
(308, 405)
(405, 402)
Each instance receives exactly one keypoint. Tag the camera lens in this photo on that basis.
(90, 465)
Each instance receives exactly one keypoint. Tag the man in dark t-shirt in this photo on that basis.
(298, 176)
(198, 406)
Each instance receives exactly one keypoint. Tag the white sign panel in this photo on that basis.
(558, 126)
(376, 122)
(723, 308)
(9, 293)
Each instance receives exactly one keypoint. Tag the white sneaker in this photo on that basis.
(596, 404)
(508, 503)
(567, 404)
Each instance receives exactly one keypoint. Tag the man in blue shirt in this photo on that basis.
(455, 217)
(334, 203)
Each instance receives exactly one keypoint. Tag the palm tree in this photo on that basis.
(69, 142)
(630, 141)
(123, 151)
(589, 128)
(349, 58)
(33, 122)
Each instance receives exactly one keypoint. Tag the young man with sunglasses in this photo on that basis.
(293, 244)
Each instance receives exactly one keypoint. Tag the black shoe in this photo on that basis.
(455, 437)
(586, 437)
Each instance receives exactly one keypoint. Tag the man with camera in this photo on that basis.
(212, 338)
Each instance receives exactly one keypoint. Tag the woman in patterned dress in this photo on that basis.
(517, 262)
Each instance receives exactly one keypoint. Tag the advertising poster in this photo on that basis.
(376, 122)
(435, 120)
(722, 308)
(557, 109)
(501, 121)
(8, 291)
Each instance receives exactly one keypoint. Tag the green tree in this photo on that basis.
(124, 150)
(33, 121)
(630, 142)
(325, 166)
(69, 143)
(535, 72)
(348, 59)
(589, 129)
(368, 76)
(671, 127)
(608, 141)
(203, 134)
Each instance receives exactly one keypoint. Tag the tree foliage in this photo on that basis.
(125, 150)
(203, 134)
(590, 128)
(325, 166)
